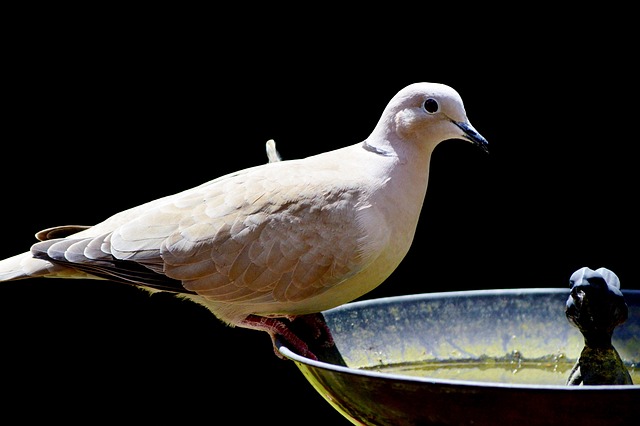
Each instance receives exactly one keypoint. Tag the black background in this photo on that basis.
(99, 118)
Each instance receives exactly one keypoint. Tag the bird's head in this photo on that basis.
(427, 114)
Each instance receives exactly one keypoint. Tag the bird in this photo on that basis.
(596, 306)
(278, 242)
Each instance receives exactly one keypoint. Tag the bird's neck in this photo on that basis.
(405, 187)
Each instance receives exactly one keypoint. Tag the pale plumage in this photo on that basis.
(282, 239)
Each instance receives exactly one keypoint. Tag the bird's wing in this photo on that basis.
(273, 233)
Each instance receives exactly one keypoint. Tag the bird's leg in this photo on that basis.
(276, 327)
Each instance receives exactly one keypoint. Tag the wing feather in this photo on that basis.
(244, 237)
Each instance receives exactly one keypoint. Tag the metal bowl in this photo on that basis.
(457, 329)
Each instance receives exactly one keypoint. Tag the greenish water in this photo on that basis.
(554, 372)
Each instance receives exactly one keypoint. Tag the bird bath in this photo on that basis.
(474, 357)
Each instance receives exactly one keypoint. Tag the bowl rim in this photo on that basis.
(284, 350)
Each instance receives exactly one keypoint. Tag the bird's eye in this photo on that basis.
(431, 106)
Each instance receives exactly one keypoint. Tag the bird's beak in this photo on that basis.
(472, 135)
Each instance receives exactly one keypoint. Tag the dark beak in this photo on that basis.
(473, 136)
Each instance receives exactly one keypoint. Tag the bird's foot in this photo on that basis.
(277, 327)
(288, 329)
(316, 326)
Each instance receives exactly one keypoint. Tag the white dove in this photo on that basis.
(279, 241)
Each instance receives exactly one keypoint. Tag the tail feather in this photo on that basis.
(24, 265)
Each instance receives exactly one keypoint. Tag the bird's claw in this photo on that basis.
(289, 329)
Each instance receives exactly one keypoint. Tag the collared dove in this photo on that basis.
(280, 241)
